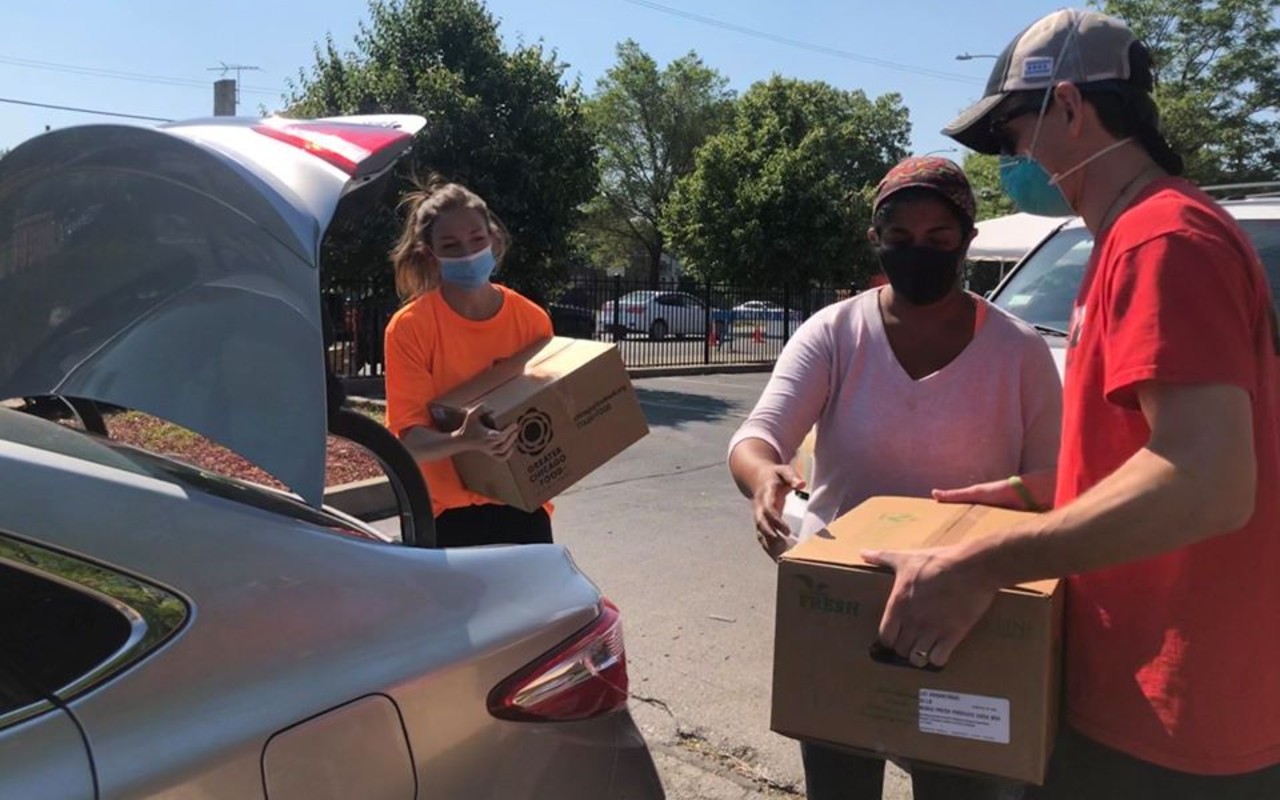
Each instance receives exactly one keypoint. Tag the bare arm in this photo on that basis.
(787, 409)
(429, 444)
(1196, 478)
(761, 476)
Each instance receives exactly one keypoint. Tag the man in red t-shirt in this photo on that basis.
(1167, 519)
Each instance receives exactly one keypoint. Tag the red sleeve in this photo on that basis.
(410, 385)
(1178, 309)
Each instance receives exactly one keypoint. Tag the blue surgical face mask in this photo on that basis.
(1034, 190)
(1031, 188)
(469, 272)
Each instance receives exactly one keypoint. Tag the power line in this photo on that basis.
(101, 72)
(82, 110)
(803, 45)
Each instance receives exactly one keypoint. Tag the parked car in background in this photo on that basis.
(765, 317)
(168, 632)
(655, 313)
(575, 322)
(1042, 289)
(567, 318)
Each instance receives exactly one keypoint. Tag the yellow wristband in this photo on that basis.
(1024, 493)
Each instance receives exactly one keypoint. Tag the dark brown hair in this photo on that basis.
(417, 272)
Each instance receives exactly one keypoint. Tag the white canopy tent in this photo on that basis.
(1010, 238)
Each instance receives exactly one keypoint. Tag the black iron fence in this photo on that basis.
(679, 323)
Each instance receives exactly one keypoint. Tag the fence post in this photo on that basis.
(617, 309)
(707, 328)
(786, 312)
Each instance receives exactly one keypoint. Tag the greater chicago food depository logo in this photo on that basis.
(535, 432)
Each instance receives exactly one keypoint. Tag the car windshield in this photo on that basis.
(1043, 290)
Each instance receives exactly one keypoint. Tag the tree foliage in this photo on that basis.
(502, 122)
(782, 194)
(983, 172)
(1218, 81)
(648, 123)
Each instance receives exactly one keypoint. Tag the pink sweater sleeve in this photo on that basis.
(797, 392)
(1041, 410)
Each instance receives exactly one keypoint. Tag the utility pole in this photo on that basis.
(226, 91)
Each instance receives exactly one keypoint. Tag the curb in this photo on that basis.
(367, 500)
(698, 369)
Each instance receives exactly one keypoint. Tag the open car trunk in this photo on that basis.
(175, 271)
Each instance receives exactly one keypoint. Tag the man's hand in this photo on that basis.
(1002, 494)
(767, 502)
(936, 600)
(996, 493)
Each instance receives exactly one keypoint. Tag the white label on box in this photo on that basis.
(967, 716)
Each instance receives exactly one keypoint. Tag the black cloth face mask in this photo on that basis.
(921, 275)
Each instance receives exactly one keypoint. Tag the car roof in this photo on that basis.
(1257, 207)
(175, 271)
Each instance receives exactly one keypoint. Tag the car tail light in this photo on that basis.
(351, 148)
(581, 678)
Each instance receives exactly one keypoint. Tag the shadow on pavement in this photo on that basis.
(672, 409)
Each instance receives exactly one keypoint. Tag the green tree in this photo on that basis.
(648, 123)
(502, 122)
(782, 194)
(983, 172)
(1218, 81)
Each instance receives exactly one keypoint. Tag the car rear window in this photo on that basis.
(67, 624)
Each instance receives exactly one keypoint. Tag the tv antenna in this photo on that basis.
(237, 69)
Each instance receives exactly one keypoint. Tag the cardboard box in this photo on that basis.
(576, 409)
(992, 709)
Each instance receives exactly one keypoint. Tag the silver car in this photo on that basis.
(170, 633)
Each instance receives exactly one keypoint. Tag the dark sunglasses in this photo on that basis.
(1006, 141)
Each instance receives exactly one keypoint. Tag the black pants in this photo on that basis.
(831, 774)
(1082, 768)
(492, 524)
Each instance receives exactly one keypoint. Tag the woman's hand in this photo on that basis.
(476, 435)
(776, 481)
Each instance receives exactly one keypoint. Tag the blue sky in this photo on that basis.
(66, 53)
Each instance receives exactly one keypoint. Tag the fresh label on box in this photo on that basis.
(966, 716)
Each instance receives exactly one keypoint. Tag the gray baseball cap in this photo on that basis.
(1067, 45)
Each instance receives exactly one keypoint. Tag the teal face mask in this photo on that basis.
(1031, 188)
(1034, 190)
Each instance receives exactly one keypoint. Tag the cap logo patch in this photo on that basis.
(1038, 68)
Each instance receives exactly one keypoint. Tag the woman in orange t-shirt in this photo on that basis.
(454, 325)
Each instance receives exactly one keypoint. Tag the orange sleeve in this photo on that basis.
(534, 316)
(410, 385)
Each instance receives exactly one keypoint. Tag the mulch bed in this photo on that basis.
(344, 462)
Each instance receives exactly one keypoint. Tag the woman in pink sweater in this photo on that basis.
(915, 386)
